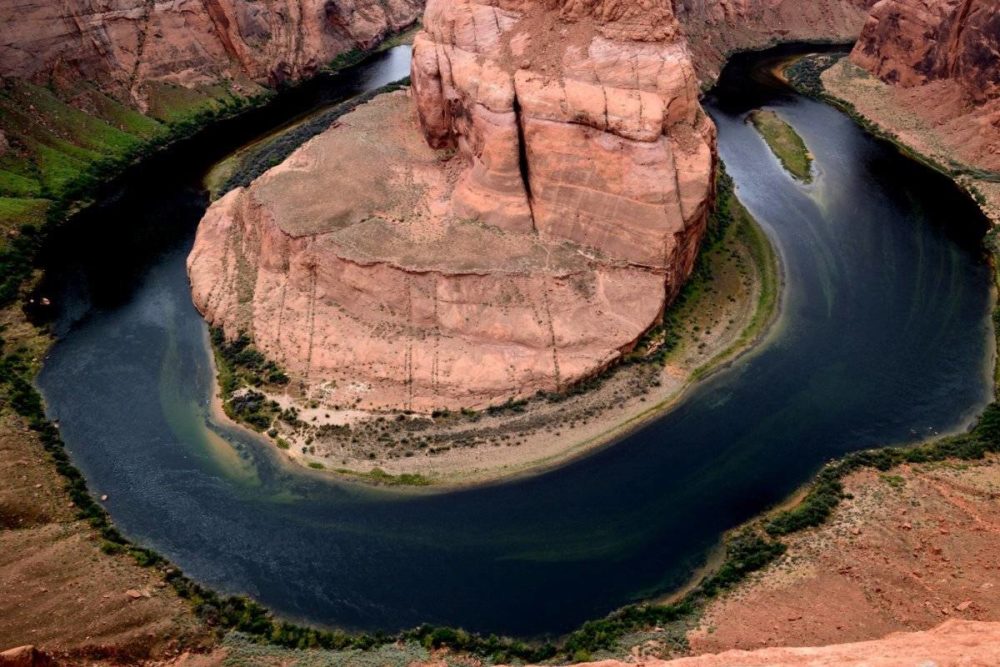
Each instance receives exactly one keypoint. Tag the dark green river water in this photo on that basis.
(883, 338)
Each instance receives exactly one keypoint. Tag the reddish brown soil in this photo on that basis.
(913, 547)
(57, 589)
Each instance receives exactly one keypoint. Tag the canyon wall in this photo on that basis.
(715, 29)
(914, 42)
(129, 48)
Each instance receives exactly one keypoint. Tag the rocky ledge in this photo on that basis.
(554, 209)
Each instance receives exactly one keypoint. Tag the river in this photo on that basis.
(883, 337)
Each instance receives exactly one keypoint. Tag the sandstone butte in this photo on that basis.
(551, 209)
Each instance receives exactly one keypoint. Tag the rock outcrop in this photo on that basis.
(581, 123)
(555, 208)
(946, 53)
(915, 42)
(935, 84)
(125, 47)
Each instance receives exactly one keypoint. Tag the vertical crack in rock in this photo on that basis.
(221, 27)
(953, 48)
(522, 160)
(281, 308)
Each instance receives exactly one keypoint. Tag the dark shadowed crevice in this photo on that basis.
(522, 159)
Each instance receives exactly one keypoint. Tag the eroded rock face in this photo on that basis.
(717, 28)
(581, 122)
(940, 60)
(123, 46)
(914, 42)
(526, 238)
(380, 297)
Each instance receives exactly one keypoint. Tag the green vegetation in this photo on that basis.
(805, 72)
(379, 477)
(785, 143)
(242, 369)
(57, 156)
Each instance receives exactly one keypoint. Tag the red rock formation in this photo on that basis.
(574, 192)
(581, 123)
(941, 61)
(380, 297)
(124, 45)
(913, 42)
(571, 124)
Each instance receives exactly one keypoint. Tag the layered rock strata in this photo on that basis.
(945, 55)
(555, 208)
(126, 46)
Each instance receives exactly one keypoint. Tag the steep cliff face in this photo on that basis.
(128, 47)
(914, 42)
(556, 205)
(580, 122)
(717, 28)
(383, 298)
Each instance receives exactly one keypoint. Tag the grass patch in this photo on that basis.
(379, 477)
(15, 213)
(785, 143)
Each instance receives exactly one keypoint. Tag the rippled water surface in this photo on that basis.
(883, 338)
